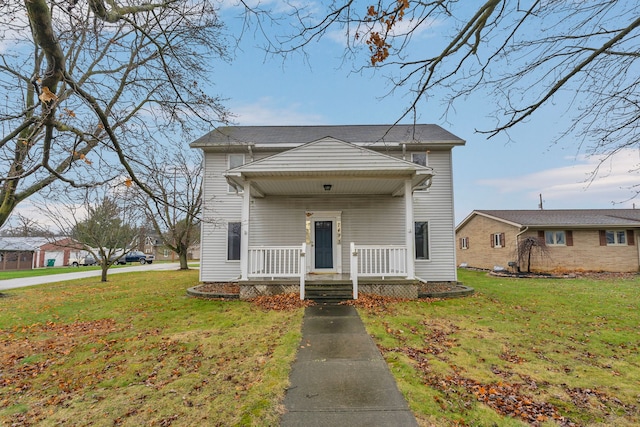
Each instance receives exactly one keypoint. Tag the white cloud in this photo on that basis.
(590, 181)
(266, 111)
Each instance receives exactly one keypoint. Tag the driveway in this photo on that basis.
(54, 278)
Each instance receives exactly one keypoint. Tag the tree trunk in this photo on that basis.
(105, 268)
(183, 260)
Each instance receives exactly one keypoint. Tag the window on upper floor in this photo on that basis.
(233, 161)
(420, 158)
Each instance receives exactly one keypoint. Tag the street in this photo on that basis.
(39, 280)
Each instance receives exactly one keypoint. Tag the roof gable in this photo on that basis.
(329, 155)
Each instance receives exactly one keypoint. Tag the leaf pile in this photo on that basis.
(281, 302)
(506, 398)
(55, 340)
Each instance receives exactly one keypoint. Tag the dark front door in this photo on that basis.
(324, 244)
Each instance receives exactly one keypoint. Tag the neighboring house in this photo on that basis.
(303, 202)
(586, 239)
(60, 251)
(19, 253)
(25, 253)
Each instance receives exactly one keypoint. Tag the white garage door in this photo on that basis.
(57, 255)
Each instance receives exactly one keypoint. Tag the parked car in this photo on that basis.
(136, 256)
(85, 260)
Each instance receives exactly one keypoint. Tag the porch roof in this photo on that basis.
(345, 167)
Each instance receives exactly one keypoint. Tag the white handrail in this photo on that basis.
(381, 260)
(377, 261)
(275, 261)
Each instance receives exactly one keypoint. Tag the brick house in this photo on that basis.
(588, 239)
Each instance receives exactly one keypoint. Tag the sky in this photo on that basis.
(505, 172)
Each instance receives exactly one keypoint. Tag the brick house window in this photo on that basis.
(617, 237)
(555, 237)
(464, 243)
(497, 240)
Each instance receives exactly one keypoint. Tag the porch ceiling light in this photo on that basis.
(327, 187)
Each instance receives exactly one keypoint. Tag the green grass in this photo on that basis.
(19, 274)
(137, 351)
(571, 343)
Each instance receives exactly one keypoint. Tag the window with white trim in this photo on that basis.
(421, 237)
(555, 237)
(464, 243)
(616, 237)
(233, 241)
(233, 161)
(419, 158)
(497, 240)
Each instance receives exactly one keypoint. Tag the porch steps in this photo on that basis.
(328, 293)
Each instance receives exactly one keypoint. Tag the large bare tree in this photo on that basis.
(87, 85)
(174, 212)
(521, 56)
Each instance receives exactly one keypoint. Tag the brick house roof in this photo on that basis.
(576, 218)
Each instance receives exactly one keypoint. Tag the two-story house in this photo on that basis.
(370, 204)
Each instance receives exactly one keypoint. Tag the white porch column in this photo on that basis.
(410, 229)
(244, 227)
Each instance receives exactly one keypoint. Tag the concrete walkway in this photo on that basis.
(339, 377)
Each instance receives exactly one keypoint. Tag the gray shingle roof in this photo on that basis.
(568, 217)
(21, 243)
(240, 135)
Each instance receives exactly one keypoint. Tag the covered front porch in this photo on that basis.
(382, 266)
(328, 210)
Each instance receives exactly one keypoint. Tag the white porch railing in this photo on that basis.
(377, 261)
(278, 261)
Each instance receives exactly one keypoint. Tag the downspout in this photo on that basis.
(404, 151)
(526, 228)
(250, 148)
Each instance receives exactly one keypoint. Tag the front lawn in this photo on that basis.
(137, 351)
(518, 352)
